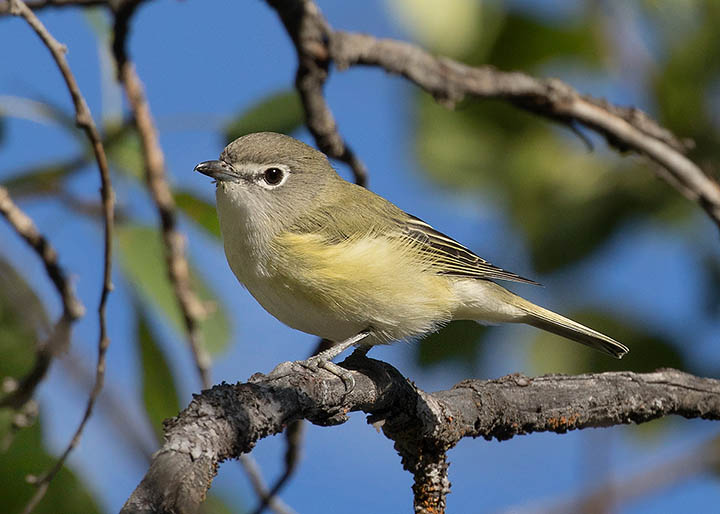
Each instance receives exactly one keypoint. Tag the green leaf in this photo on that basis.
(43, 178)
(124, 150)
(457, 342)
(27, 455)
(23, 322)
(279, 112)
(214, 504)
(525, 42)
(143, 260)
(567, 201)
(158, 384)
(200, 211)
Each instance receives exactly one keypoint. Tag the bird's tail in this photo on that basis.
(552, 322)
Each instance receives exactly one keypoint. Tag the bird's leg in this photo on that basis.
(338, 348)
(323, 360)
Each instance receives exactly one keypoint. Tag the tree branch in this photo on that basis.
(5, 5)
(309, 33)
(24, 226)
(59, 337)
(192, 309)
(608, 496)
(84, 121)
(449, 82)
(228, 420)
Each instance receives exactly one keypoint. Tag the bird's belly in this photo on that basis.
(298, 311)
(341, 290)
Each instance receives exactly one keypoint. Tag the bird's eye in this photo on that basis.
(273, 176)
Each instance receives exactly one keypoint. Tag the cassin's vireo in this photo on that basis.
(333, 259)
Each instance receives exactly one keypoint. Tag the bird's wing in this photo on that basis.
(450, 257)
(339, 221)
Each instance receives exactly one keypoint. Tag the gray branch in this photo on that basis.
(449, 81)
(228, 420)
(624, 128)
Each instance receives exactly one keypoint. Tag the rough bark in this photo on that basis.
(228, 420)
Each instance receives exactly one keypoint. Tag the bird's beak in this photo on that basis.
(219, 170)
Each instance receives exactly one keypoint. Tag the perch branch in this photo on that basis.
(228, 420)
(293, 439)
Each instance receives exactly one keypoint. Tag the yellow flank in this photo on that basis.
(351, 279)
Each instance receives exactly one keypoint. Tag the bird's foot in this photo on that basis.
(323, 360)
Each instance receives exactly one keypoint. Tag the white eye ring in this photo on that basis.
(272, 177)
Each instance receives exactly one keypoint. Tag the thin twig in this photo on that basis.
(192, 308)
(24, 226)
(59, 337)
(6, 6)
(703, 458)
(84, 121)
(309, 33)
(267, 497)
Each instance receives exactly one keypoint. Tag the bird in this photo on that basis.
(331, 258)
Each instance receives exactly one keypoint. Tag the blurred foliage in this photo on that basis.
(457, 343)
(26, 456)
(23, 324)
(448, 30)
(649, 349)
(688, 82)
(279, 112)
(213, 504)
(158, 385)
(566, 202)
(143, 260)
(199, 210)
(124, 151)
(524, 42)
(43, 178)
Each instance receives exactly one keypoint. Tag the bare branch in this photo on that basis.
(84, 121)
(703, 458)
(267, 497)
(193, 310)
(59, 337)
(228, 420)
(309, 33)
(449, 81)
(24, 226)
(6, 5)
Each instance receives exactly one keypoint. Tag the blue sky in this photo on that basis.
(202, 63)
